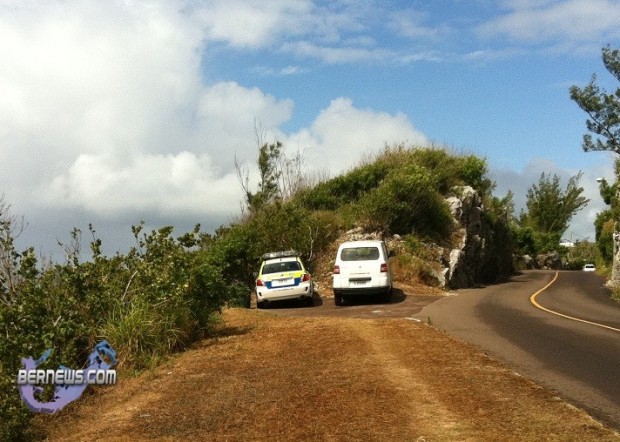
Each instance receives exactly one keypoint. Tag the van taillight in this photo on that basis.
(306, 277)
(336, 270)
(259, 283)
(384, 268)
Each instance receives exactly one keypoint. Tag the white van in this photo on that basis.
(361, 268)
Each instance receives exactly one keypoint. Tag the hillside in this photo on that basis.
(433, 207)
(426, 203)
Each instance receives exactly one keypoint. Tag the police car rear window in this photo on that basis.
(360, 254)
(279, 267)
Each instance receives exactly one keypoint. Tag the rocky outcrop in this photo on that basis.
(544, 261)
(484, 247)
(483, 252)
(359, 234)
(551, 260)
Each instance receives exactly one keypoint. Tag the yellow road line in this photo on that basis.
(536, 304)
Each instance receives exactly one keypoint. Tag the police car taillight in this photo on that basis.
(306, 277)
(259, 283)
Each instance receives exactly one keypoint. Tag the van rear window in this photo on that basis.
(360, 254)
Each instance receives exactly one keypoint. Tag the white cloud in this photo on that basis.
(252, 23)
(337, 33)
(342, 135)
(119, 78)
(337, 55)
(411, 24)
(281, 72)
(91, 77)
(104, 115)
(573, 20)
(181, 185)
(255, 23)
(228, 113)
(291, 70)
(484, 55)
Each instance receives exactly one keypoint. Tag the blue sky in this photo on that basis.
(113, 112)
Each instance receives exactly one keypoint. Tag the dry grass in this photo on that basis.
(330, 379)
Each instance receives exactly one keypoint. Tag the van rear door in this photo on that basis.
(359, 265)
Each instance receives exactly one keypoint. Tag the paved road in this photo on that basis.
(400, 306)
(580, 361)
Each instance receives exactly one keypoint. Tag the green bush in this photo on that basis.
(14, 417)
(604, 229)
(407, 202)
(574, 264)
(448, 169)
(157, 299)
(350, 187)
(278, 226)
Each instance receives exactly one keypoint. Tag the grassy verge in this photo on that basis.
(270, 378)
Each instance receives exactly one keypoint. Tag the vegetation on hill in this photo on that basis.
(164, 294)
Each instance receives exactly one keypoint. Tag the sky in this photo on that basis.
(119, 111)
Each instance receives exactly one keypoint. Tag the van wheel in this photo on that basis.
(337, 299)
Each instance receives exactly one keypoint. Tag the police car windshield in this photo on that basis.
(279, 267)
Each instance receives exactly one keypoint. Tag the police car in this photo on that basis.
(283, 276)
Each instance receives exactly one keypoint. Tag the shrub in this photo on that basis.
(452, 170)
(278, 226)
(604, 229)
(412, 268)
(331, 194)
(472, 170)
(407, 201)
(575, 264)
(158, 298)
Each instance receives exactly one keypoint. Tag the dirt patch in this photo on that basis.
(322, 378)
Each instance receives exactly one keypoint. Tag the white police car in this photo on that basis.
(283, 276)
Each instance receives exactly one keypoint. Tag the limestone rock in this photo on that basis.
(484, 253)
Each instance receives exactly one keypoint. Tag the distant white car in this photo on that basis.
(589, 268)
(361, 267)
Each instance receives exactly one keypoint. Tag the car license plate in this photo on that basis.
(281, 282)
(358, 282)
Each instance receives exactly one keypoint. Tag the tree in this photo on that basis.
(603, 234)
(550, 209)
(268, 187)
(604, 122)
(602, 108)
(269, 157)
